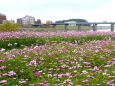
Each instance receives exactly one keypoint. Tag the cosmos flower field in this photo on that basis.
(57, 59)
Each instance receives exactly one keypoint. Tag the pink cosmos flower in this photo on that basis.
(94, 69)
(59, 60)
(68, 74)
(1, 61)
(84, 72)
(41, 81)
(4, 74)
(109, 82)
(47, 84)
(85, 80)
(52, 56)
(3, 81)
(87, 63)
(60, 75)
(11, 73)
(113, 71)
(33, 62)
(3, 67)
(61, 85)
(113, 62)
(107, 65)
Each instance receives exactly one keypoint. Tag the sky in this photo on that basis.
(54, 10)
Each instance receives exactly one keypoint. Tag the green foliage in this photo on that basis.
(28, 41)
(9, 27)
(91, 64)
(86, 60)
(48, 26)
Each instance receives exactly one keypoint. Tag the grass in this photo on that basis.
(57, 28)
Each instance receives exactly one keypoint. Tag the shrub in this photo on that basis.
(9, 27)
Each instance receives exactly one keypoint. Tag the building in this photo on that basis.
(26, 21)
(38, 21)
(49, 22)
(2, 18)
(19, 21)
(71, 23)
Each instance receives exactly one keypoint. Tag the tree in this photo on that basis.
(9, 27)
(49, 22)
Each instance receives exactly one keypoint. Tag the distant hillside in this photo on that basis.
(76, 20)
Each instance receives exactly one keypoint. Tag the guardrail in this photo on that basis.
(93, 24)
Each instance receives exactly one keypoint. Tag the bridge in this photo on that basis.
(93, 24)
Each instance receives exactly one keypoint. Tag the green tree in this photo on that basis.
(9, 27)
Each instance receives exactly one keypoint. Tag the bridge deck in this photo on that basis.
(80, 24)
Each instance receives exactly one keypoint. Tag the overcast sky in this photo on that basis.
(91, 10)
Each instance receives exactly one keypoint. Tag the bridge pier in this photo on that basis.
(94, 27)
(79, 27)
(53, 26)
(112, 27)
(65, 27)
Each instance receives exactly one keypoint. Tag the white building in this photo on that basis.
(26, 21)
(71, 23)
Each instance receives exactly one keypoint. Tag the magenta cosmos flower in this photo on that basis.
(37, 74)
